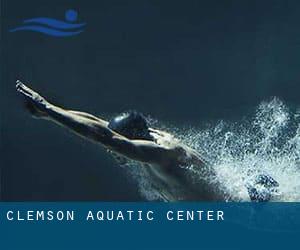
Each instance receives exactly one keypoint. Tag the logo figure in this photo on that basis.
(53, 27)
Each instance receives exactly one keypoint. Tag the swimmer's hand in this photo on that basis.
(35, 103)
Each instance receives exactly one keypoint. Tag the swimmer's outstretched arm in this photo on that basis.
(95, 129)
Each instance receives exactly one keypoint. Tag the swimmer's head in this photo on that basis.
(132, 125)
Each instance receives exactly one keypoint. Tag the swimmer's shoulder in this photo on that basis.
(185, 155)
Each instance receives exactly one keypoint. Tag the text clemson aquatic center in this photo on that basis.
(115, 215)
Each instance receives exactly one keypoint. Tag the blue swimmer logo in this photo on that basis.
(53, 27)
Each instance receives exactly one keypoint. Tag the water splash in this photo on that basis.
(267, 142)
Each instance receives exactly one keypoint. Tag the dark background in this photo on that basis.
(182, 62)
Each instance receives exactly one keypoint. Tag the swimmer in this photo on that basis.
(129, 136)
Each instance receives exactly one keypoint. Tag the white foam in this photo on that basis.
(268, 142)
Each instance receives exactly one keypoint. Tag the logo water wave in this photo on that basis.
(53, 27)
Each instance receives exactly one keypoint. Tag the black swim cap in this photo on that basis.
(132, 125)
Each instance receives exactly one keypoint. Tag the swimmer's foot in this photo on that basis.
(263, 188)
(34, 103)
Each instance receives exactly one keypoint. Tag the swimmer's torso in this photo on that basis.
(178, 180)
(180, 183)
